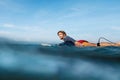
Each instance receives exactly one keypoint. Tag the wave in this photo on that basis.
(30, 61)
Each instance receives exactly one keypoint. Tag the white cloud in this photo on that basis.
(8, 25)
(28, 33)
(3, 32)
(115, 28)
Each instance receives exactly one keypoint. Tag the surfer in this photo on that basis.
(69, 41)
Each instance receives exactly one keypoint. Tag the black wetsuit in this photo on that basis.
(68, 41)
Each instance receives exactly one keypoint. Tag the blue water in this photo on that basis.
(28, 61)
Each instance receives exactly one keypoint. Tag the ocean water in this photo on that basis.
(29, 61)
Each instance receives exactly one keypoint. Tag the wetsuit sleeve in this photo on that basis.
(68, 41)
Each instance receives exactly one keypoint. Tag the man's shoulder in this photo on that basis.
(67, 37)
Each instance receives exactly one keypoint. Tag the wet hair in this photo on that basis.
(61, 32)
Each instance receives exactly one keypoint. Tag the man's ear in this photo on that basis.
(65, 35)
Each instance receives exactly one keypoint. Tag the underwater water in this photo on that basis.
(20, 61)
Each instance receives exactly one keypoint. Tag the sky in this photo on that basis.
(40, 20)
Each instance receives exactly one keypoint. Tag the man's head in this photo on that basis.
(61, 34)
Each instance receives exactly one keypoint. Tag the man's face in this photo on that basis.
(61, 35)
